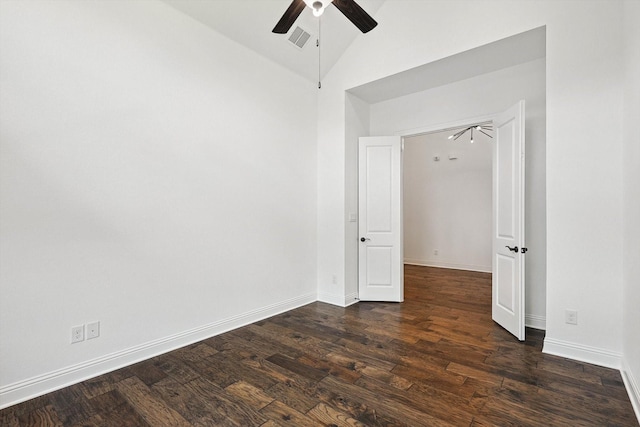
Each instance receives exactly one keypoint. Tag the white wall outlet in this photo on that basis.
(435, 252)
(93, 330)
(77, 334)
(571, 317)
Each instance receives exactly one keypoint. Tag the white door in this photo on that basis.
(508, 221)
(380, 258)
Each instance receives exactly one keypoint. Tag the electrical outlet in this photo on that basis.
(77, 334)
(435, 252)
(571, 317)
(93, 330)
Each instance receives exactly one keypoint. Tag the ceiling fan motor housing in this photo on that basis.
(349, 8)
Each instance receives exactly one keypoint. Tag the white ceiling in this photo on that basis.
(249, 22)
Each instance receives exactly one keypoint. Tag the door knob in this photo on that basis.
(512, 249)
(364, 239)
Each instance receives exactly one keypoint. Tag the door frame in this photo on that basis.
(408, 133)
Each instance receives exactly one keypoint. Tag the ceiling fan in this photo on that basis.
(349, 8)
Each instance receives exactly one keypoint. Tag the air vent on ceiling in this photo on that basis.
(299, 37)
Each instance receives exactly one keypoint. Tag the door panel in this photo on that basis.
(508, 216)
(505, 277)
(380, 262)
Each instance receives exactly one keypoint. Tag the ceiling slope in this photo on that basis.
(249, 22)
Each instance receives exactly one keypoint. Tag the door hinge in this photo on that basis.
(524, 250)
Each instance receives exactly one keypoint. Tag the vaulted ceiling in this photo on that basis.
(249, 22)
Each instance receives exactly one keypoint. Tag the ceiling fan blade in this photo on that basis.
(356, 15)
(290, 15)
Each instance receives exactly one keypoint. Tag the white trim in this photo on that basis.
(351, 299)
(449, 265)
(33, 387)
(339, 300)
(632, 386)
(582, 353)
(331, 299)
(536, 322)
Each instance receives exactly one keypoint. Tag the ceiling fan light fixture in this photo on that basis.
(318, 6)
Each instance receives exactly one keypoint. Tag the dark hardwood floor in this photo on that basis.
(435, 360)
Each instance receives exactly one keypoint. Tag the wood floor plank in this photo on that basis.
(455, 411)
(299, 368)
(385, 404)
(44, 416)
(224, 405)
(148, 372)
(284, 415)
(153, 410)
(294, 395)
(326, 415)
(186, 400)
(9, 418)
(386, 377)
(112, 409)
(353, 359)
(437, 359)
(292, 338)
(195, 351)
(253, 396)
(478, 374)
(330, 368)
(104, 383)
(594, 411)
(174, 366)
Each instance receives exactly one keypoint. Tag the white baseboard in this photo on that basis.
(339, 300)
(582, 353)
(351, 299)
(632, 386)
(332, 299)
(37, 386)
(449, 265)
(536, 322)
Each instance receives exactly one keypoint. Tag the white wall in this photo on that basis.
(584, 102)
(481, 96)
(631, 260)
(151, 180)
(447, 203)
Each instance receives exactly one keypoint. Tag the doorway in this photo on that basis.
(380, 199)
(374, 109)
(447, 200)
